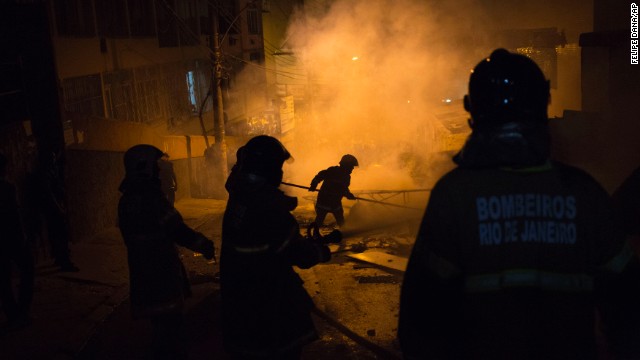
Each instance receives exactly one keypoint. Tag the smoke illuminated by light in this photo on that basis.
(380, 106)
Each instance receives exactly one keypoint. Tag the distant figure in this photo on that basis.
(516, 253)
(335, 184)
(168, 179)
(14, 252)
(265, 308)
(54, 210)
(151, 228)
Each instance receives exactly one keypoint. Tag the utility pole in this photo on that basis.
(220, 145)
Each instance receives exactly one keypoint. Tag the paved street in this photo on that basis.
(85, 315)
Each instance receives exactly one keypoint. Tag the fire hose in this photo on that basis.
(313, 228)
(378, 350)
(313, 232)
(357, 198)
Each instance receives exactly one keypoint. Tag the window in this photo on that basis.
(74, 18)
(205, 21)
(187, 16)
(192, 91)
(253, 21)
(255, 57)
(226, 17)
(111, 16)
(166, 24)
(120, 95)
(147, 104)
(83, 95)
(141, 18)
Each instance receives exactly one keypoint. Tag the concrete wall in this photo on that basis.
(605, 136)
(79, 57)
(93, 133)
(93, 178)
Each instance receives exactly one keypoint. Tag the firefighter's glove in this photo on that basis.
(334, 237)
(206, 247)
(209, 251)
(350, 196)
(312, 188)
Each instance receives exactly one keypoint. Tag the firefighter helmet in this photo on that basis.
(507, 87)
(141, 161)
(348, 160)
(262, 152)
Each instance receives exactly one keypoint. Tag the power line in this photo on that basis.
(186, 27)
(282, 73)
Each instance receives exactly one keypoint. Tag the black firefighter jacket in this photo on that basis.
(512, 264)
(266, 310)
(335, 185)
(151, 228)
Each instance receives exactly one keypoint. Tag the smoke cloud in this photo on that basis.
(377, 72)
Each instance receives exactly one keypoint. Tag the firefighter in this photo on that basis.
(265, 308)
(335, 185)
(151, 228)
(515, 251)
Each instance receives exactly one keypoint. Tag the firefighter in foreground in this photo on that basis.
(151, 228)
(265, 308)
(335, 184)
(516, 252)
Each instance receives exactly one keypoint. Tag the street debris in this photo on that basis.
(382, 259)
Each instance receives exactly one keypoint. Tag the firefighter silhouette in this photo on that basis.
(335, 185)
(152, 228)
(265, 308)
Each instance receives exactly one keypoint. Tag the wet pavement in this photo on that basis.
(84, 315)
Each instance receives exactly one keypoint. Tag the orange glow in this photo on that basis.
(381, 106)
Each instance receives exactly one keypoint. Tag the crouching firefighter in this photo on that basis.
(151, 228)
(335, 185)
(265, 308)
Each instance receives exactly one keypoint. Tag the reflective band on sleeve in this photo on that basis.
(253, 249)
(529, 278)
(618, 262)
(285, 243)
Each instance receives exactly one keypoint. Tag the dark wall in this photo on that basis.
(610, 90)
(92, 180)
(604, 137)
(29, 84)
